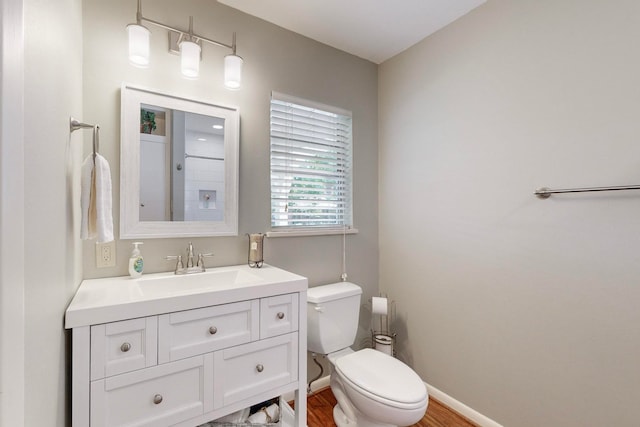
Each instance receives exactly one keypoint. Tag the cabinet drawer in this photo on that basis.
(247, 370)
(159, 396)
(124, 346)
(189, 333)
(278, 315)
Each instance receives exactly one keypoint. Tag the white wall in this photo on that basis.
(11, 213)
(52, 257)
(206, 176)
(524, 309)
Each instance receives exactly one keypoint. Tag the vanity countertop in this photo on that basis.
(109, 299)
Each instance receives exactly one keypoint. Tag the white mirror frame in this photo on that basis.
(130, 225)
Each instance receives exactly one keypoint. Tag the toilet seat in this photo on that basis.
(381, 378)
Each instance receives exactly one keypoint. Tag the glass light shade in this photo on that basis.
(233, 71)
(138, 45)
(190, 59)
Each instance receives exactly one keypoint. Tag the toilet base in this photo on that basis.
(341, 420)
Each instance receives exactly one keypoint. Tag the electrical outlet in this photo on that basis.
(106, 254)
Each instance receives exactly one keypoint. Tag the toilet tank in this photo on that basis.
(332, 316)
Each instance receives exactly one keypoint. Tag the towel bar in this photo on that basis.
(74, 125)
(545, 193)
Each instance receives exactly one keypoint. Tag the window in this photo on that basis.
(311, 158)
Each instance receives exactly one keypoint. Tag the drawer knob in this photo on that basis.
(157, 399)
(125, 347)
(259, 368)
(280, 315)
(213, 330)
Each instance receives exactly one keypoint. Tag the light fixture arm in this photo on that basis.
(233, 43)
(192, 36)
(139, 13)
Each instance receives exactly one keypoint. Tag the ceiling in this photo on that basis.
(374, 30)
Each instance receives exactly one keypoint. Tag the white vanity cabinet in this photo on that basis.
(216, 352)
(187, 333)
(123, 346)
(162, 395)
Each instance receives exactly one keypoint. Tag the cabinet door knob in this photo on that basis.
(280, 315)
(157, 399)
(125, 347)
(213, 330)
(259, 368)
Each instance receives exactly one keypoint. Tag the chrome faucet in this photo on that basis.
(190, 267)
(190, 255)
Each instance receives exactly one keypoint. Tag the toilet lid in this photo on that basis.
(382, 375)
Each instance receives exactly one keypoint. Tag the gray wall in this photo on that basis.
(275, 59)
(52, 250)
(524, 309)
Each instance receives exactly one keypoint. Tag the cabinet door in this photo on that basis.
(251, 369)
(192, 332)
(278, 315)
(159, 396)
(124, 346)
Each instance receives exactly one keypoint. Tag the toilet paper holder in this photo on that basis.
(384, 342)
(382, 315)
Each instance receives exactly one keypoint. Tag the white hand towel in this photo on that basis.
(95, 200)
(85, 194)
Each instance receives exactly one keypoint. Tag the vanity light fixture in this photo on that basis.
(190, 47)
(233, 68)
(138, 45)
(190, 57)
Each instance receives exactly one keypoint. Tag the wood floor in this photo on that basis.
(320, 413)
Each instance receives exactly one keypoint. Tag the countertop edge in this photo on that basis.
(79, 316)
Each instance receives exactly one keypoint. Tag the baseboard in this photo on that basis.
(319, 384)
(461, 408)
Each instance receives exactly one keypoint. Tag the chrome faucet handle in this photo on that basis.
(190, 255)
(201, 260)
(179, 264)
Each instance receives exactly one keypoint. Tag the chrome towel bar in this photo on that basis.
(545, 193)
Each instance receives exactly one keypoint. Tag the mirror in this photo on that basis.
(178, 166)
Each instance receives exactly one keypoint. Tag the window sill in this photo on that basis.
(306, 233)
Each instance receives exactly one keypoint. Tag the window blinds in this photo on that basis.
(311, 164)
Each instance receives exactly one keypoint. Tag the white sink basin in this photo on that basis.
(176, 284)
(111, 298)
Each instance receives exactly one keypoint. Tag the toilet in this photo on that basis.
(373, 389)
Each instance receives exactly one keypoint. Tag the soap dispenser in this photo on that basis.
(136, 263)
